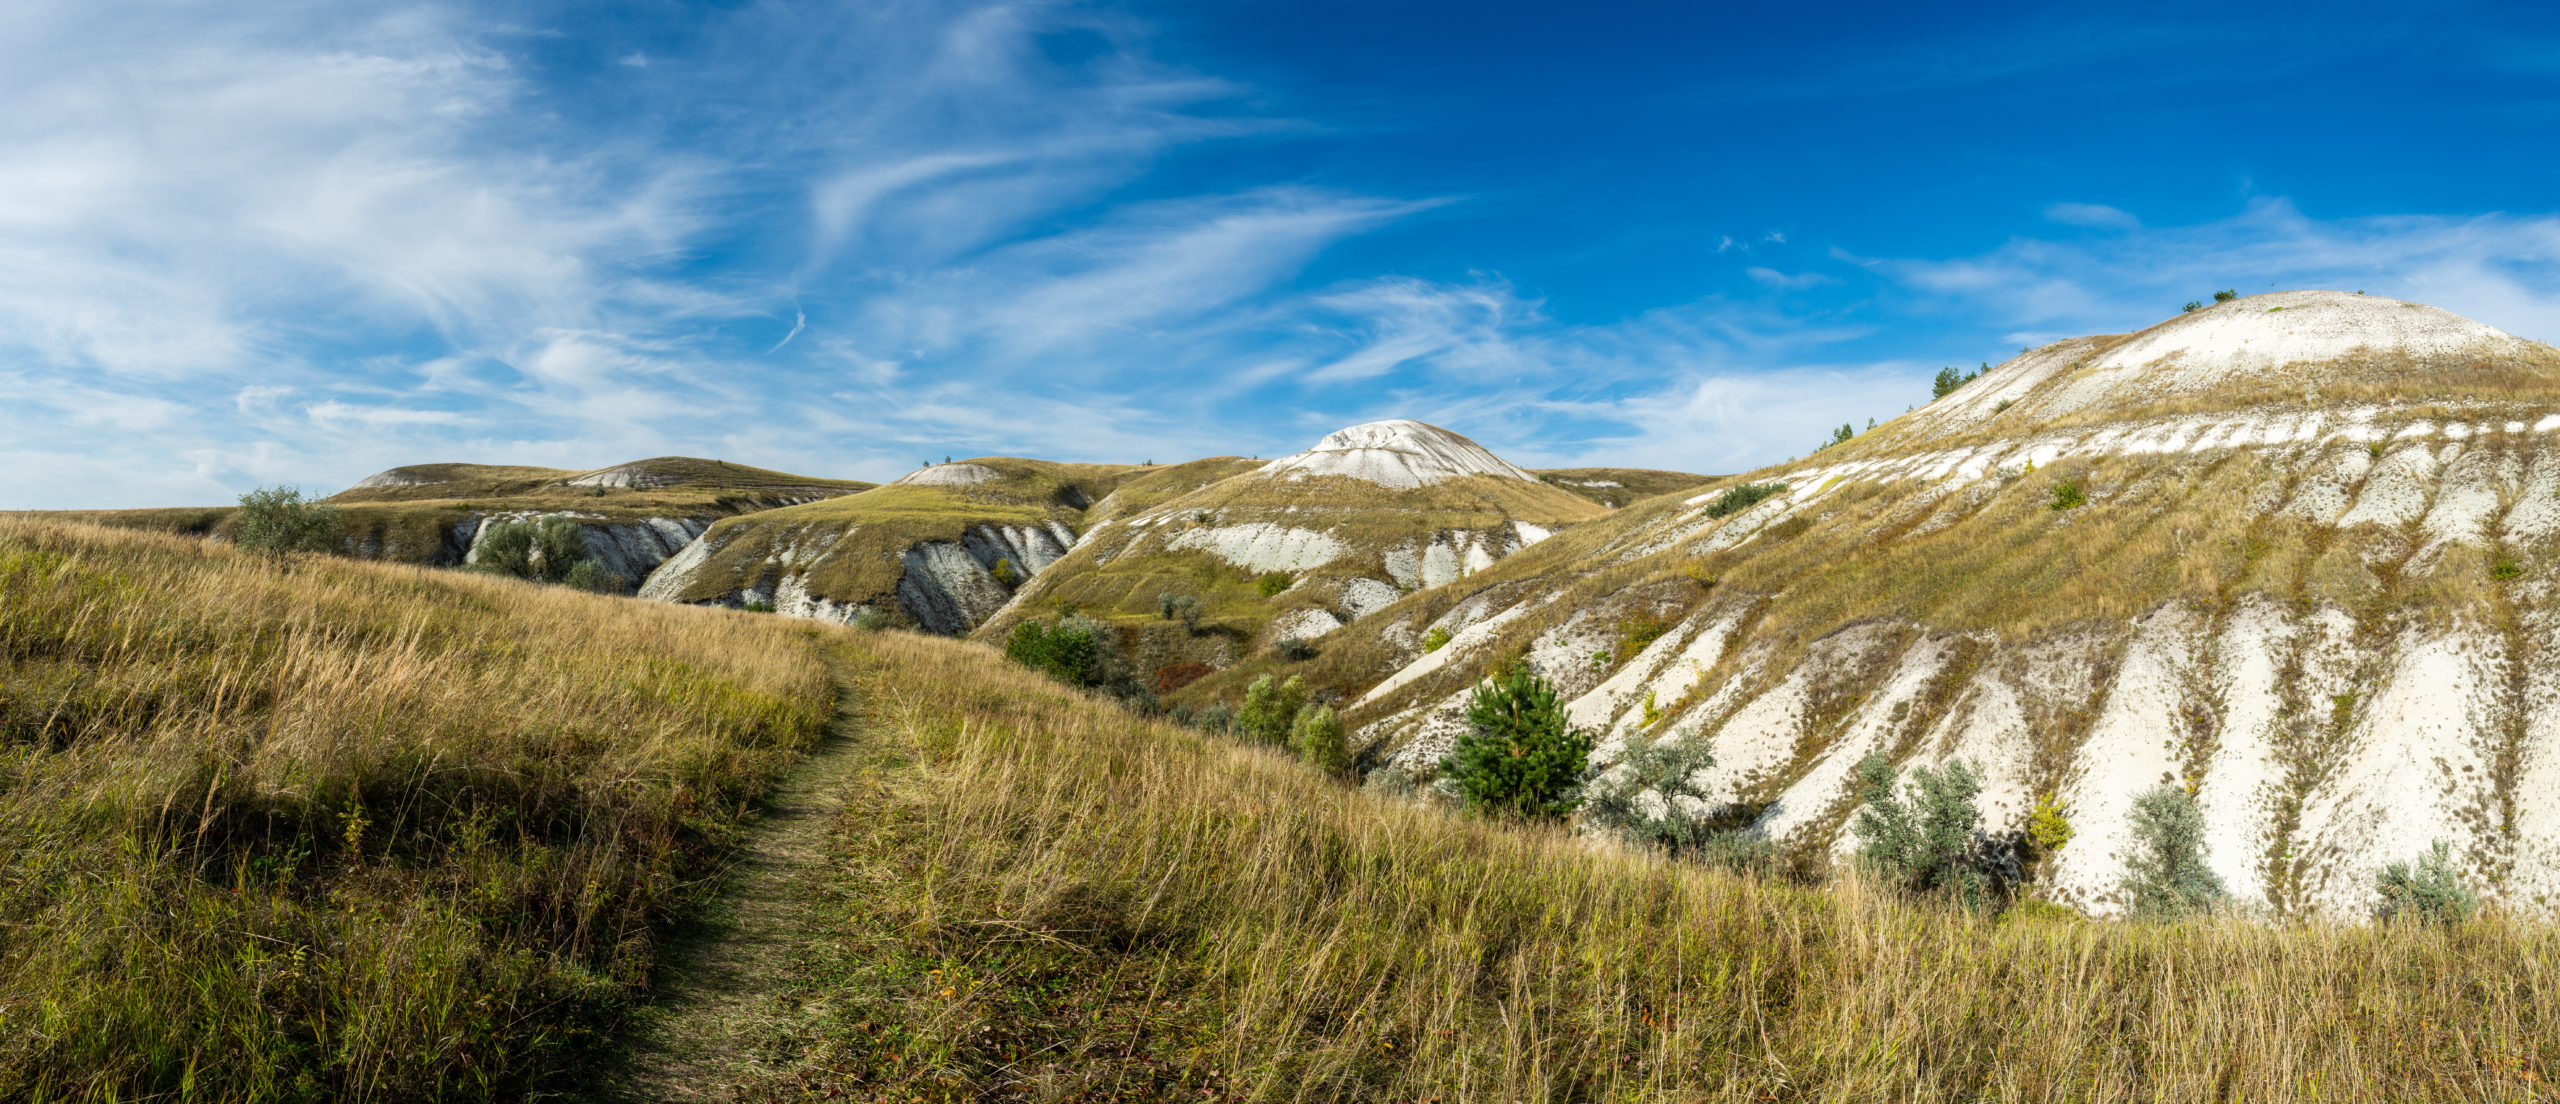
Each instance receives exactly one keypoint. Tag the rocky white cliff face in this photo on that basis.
(632, 549)
(1399, 453)
(2323, 731)
(944, 586)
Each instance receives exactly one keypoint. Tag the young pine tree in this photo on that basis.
(2167, 878)
(1518, 756)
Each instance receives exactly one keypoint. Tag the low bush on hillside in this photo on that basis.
(1074, 649)
(2166, 877)
(2067, 495)
(1294, 649)
(1650, 799)
(1436, 639)
(1270, 585)
(2226, 295)
(277, 521)
(545, 550)
(1518, 756)
(1637, 631)
(1321, 743)
(1742, 496)
(2428, 891)
(1927, 838)
(1180, 607)
(1270, 708)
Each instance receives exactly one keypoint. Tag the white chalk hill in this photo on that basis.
(1370, 514)
(2297, 553)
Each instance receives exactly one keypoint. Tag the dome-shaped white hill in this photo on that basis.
(2295, 342)
(962, 474)
(1399, 453)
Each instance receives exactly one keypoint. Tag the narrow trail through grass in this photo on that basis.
(721, 980)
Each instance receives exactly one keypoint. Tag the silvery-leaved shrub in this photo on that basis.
(273, 521)
(1927, 837)
(2428, 890)
(2166, 878)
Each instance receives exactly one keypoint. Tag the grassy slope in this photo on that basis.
(349, 831)
(1369, 518)
(1632, 483)
(1046, 899)
(863, 564)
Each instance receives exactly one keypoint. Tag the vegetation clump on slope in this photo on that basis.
(355, 831)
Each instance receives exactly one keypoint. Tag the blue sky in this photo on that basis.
(300, 242)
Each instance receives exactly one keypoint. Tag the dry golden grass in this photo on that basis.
(349, 831)
(1050, 900)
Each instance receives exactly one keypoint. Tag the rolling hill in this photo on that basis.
(2292, 553)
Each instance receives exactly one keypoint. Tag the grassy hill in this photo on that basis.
(350, 830)
(357, 831)
(1269, 552)
(1615, 487)
(2329, 621)
(936, 547)
(425, 513)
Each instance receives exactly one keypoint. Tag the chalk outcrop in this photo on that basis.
(1399, 453)
(1370, 514)
(2297, 554)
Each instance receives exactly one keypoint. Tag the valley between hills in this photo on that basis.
(764, 811)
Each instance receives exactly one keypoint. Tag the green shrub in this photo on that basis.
(1742, 496)
(1319, 738)
(1218, 719)
(1164, 605)
(1840, 436)
(1271, 584)
(2226, 295)
(1294, 649)
(2067, 495)
(1518, 756)
(542, 549)
(1667, 768)
(276, 521)
(2506, 569)
(1637, 631)
(868, 619)
(2167, 878)
(2002, 406)
(1436, 639)
(1004, 571)
(2192, 306)
(591, 576)
(1076, 650)
(1270, 708)
(2429, 891)
(1932, 842)
(758, 605)
(2048, 828)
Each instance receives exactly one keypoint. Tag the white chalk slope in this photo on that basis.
(1398, 453)
(2322, 740)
